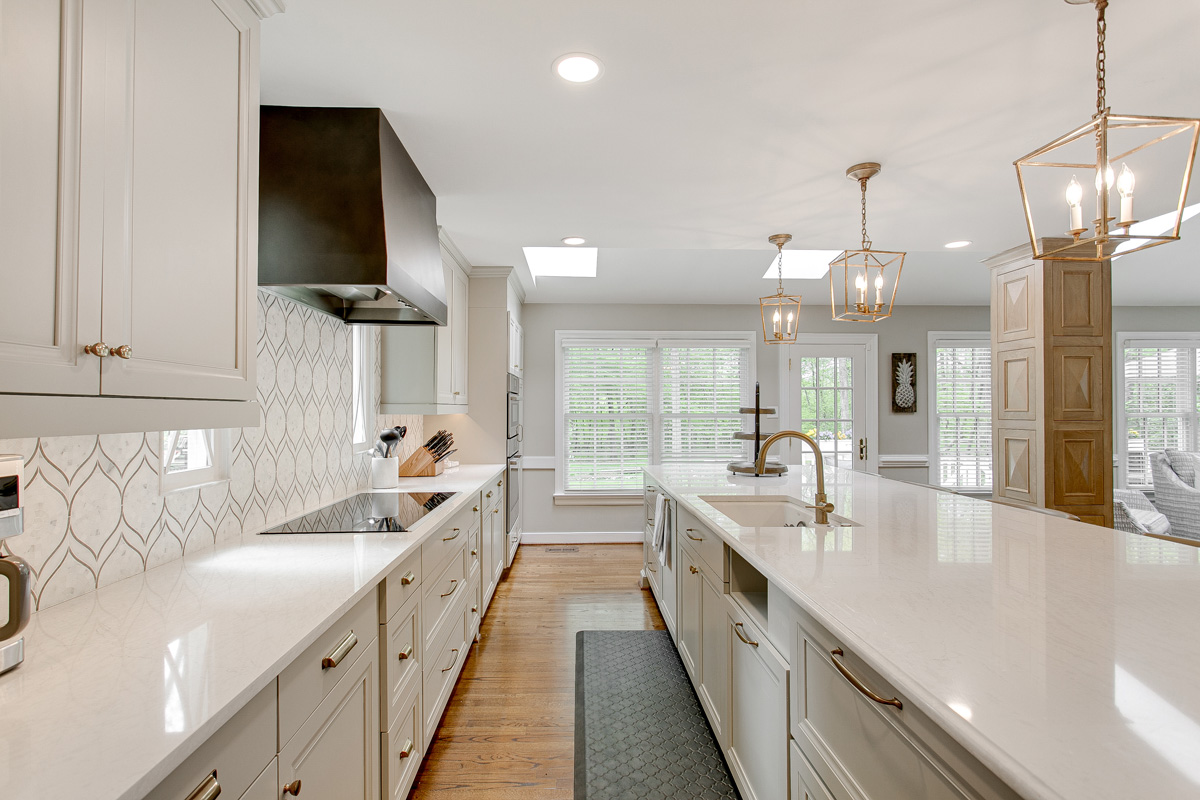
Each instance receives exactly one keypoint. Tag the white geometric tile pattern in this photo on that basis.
(94, 513)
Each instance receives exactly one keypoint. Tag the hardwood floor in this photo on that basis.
(508, 731)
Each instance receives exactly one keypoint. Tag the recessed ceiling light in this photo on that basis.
(958, 244)
(573, 241)
(578, 67)
(561, 262)
(802, 264)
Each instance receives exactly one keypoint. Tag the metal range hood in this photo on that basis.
(346, 223)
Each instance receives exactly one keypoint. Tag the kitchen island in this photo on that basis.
(1028, 656)
(123, 684)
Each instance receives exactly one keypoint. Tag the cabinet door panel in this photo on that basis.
(458, 336)
(181, 225)
(714, 658)
(336, 752)
(445, 340)
(46, 263)
(690, 598)
(758, 722)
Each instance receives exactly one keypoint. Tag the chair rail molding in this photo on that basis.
(909, 461)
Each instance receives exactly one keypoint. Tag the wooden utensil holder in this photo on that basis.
(420, 464)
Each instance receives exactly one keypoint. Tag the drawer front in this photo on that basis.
(850, 739)
(403, 649)
(706, 544)
(401, 584)
(402, 746)
(305, 682)
(806, 785)
(238, 752)
(446, 542)
(493, 493)
(267, 785)
(442, 665)
(442, 595)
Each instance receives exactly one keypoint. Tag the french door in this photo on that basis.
(830, 391)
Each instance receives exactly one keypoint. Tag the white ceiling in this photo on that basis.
(716, 124)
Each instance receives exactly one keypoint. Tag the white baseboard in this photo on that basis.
(582, 537)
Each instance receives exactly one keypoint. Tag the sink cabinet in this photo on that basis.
(107, 227)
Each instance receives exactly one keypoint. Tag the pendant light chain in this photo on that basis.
(780, 270)
(1101, 33)
(866, 240)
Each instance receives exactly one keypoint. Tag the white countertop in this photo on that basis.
(1062, 655)
(121, 685)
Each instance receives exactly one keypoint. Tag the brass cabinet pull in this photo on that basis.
(455, 536)
(406, 751)
(292, 788)
(124, 351)
(737, 628)
(693, 569)
(500, 482)
(693, 538)
(406, 653)
(339, 652)
(475, 609)
(651, 566)
(474, 552)
(476, 508)
(407, 578)
(99, 350)
(453, 587)
(495, 511)
(452, 663)
(209, 788)
(857, 684)
(489, 494)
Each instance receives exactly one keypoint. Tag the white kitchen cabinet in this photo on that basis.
(691, 588)
(129, 146)
(806, 785)
(715, 644)
(516, 347)
(335, 753)
(424, 367)
(757, 738)
(266, 786)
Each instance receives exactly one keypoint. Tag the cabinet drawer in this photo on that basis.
(401, 584)
(447, 541)
(706, 544)
(238, 752)
(442, 665)
(403, 647)
(853, 741)
(806, 785)
(402, 746)
(493, 493)
(442, 595)
(305, 682)
(267, 785)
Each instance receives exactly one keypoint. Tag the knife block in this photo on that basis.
(420, 464)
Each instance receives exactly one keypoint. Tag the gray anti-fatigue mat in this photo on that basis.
(640, 733)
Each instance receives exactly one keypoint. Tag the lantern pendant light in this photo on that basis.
(780, 312)
(1112, 152)
(860, 280)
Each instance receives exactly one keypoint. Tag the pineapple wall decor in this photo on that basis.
(904, 383)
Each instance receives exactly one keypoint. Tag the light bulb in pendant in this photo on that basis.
(1074, 197)
(1108, 179)
(1125, 184)
(879, 289)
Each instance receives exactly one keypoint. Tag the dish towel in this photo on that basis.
(661, 541)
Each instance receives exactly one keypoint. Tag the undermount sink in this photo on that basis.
(775, 511)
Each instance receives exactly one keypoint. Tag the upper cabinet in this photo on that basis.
(128, 145)
(424, 368)
(516, 347)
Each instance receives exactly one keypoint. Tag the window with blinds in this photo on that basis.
(629, 403)
(1160, 408)
(961, 424)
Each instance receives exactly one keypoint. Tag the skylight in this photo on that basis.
(561, 262)
(1155, 226)
(802, 264)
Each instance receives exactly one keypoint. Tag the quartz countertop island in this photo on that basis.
(1061, 655)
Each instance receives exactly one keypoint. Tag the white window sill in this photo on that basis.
(202, 485)
(583, 499)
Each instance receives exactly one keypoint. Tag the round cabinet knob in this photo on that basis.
(693, 569)
(476, 508)
(124, 351)
(474, 552)
(292, 788)
(99, 350)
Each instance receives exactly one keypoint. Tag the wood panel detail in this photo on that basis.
(1016, 387)
(1019, 464)
(1079, 468)
(1016, 306)
(1078, 388)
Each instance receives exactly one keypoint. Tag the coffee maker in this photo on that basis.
(12, 569)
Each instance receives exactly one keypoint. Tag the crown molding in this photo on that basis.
(267, 8)
(455, 254)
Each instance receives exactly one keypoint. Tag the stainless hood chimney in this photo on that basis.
(346, 223)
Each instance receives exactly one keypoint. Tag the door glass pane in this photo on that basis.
(826, 408)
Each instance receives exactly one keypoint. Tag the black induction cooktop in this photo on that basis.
(367, 511)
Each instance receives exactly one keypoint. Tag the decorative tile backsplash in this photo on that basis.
(94, 511)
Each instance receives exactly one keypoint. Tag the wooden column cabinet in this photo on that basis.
(129, 146)
(1052, 415)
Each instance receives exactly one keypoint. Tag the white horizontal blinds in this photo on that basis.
(607, 405)
(701, 389)
(1162, 399)
(964, 414)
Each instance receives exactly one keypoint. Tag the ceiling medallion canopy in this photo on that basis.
(780, 312)
(860, 281)
(1112, 153)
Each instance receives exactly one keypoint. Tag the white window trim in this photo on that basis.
(566, 497)
(950, 339)
(366, 387)
(1145, 339)
(219, 446)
